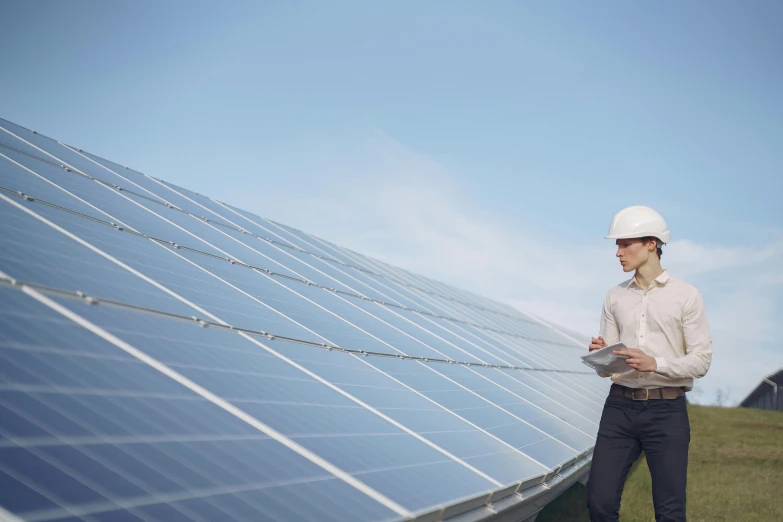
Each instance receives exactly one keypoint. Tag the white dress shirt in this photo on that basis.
(667, 321)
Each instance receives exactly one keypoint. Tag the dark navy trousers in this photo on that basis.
(661, 429)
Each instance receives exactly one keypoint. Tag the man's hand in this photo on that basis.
(597, 343)
(638, 360)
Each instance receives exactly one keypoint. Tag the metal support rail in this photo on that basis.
(266, 271)
(92, 300)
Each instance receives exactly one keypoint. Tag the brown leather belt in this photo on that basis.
(643, 394)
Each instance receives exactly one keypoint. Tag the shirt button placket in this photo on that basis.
(642, 326)
(643, 320)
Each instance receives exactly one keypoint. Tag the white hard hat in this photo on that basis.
(635, 222)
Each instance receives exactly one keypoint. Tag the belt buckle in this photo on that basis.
(646, 395)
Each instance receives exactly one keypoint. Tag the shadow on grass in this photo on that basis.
(571, 505)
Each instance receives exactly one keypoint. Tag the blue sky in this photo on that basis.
(487, 145)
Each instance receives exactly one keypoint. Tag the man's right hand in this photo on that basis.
(597, 343)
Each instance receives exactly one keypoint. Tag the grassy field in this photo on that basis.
(735, 472)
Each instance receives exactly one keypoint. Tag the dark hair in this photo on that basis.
(658, 244)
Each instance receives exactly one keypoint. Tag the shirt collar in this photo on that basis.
(662, 279)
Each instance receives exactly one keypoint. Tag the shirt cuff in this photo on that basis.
(660, 362)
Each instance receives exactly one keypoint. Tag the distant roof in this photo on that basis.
(776, 377)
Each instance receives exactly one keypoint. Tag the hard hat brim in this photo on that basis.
(638, 235)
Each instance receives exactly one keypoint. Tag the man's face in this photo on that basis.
(632, 253)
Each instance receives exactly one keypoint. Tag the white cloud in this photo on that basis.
(391, 203)
(690, 258)
(749, 311)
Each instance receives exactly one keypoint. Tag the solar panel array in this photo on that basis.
(166, 357)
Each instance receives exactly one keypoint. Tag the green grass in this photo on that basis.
(735, 472)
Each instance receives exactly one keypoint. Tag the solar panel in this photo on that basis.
(166, 356)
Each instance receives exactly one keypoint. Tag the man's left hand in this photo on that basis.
(638, 360)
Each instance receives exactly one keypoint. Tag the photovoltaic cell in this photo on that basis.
(88, 428)
(164, 356)
(291, 402)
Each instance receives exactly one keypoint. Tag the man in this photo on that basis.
(663, 323)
